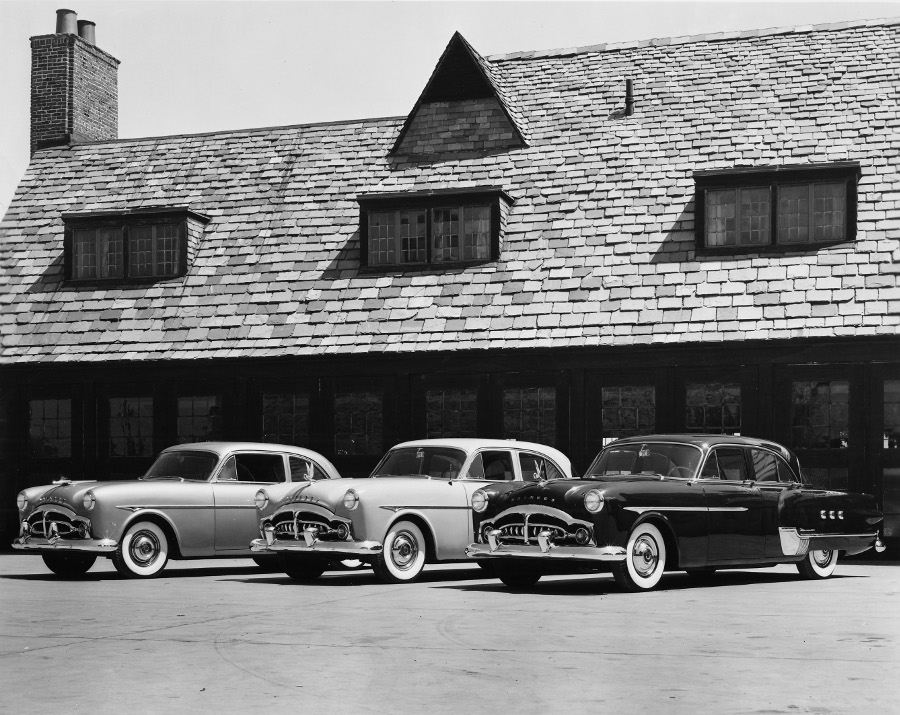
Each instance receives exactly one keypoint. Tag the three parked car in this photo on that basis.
(646, 505)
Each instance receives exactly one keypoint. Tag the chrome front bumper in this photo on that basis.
(312, 545)
(544, 549)
(94, 546)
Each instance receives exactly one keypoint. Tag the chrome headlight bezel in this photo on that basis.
(593, 501)
(261, 499)
(480, 500)
(22, 501)
(89, 501)
(350, 500)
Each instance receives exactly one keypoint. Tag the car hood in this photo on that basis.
(385, 490)
(565, 494)
(72, 493)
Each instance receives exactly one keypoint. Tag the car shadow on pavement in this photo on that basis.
(602, 583)
(367, 577)
(169, 573)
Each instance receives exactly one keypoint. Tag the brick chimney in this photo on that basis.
(74, 92)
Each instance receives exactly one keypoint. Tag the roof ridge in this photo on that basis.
(687, 39)
(245, 130)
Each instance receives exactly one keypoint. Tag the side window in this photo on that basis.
(711, 468)
(785, 474)
(229, 471)
(258, 468)
(303, 470)
(476, 471)
(536, 468)
(764, 465)
(498, 466)
(732, 465)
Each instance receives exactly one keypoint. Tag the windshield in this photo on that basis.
(196, 466)
(437, 462)
(654, 458)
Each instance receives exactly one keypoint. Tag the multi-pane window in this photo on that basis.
(787, 207)
(286, 418)
(451, 413)
(50, 428)
(199, 418)
(828, 477)
(98, 253)
(820, 414)
(892, 414)
(432, 229)
(627, 411)
(713, 408)
(130, 426)
(529, 414)
(153, 250)
(128, 247)
(358, 423)
(397, 237)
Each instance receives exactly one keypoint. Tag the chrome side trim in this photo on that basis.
(419, 507)
(644, 509)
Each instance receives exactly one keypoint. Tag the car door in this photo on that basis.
(488, 466)
(734, 507)
(239, 478)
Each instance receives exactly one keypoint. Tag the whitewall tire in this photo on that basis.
(645, 559)
(142, 552)
(402, 557)
(818, 564)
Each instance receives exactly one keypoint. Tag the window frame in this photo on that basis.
(429, 202)
(123, 221)
(773, 177)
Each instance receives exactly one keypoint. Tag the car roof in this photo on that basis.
(470, 444)
(702, 440)
(223, 448)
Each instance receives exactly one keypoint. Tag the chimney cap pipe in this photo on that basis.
(86, 31)
(66, 22)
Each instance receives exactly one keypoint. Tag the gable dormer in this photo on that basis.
(463, 108)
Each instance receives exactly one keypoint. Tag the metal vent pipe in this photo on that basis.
(66, 22)
(86, 31)
(629, 97)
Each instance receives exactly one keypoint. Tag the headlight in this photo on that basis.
(89, 500)
(479, 500)
(21, 501)
(351, 500)
(593, 501)
(261, 499)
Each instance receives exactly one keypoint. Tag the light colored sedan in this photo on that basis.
(415, 508)
(195, 501)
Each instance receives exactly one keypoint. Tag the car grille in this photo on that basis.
(518, 528)
(291, 525)
(67, 525)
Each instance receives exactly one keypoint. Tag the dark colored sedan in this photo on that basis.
(667, 502)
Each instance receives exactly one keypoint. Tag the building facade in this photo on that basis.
(692, 234)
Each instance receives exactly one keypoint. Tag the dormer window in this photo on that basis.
(135, 245)
(433, 229)
(778, 208)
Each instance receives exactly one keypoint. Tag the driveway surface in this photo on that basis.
(223, 636)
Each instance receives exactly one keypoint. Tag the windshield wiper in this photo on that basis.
(164, 476)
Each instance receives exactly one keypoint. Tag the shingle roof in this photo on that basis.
(598, 249)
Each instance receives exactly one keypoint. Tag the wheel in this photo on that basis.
(517, 575)
(403, 556)
(142, 552)
(69, 565)
(301, 568)
(818, 564)
(266, 563)
(645, 560)
(488, 567)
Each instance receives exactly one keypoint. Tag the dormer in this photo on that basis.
(463, 108)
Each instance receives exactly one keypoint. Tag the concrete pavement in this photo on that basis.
(222, 636)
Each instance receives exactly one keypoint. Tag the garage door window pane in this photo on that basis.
(358, 423)
(451, 413)
(130, 426)
(820, 415)
(530, 414)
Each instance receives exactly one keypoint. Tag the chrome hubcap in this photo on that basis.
(645, 556)
(404, 550)
(822, 558)
(144, 548)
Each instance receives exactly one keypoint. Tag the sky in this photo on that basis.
(189, 66)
